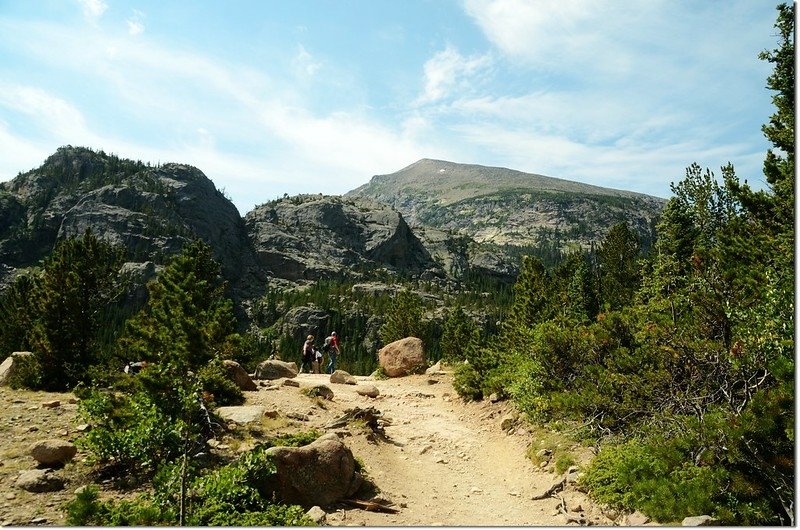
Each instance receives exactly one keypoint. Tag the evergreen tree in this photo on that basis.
(619, 268)
(17, 315)
(79, 281)
(460, 336)
(403, 319)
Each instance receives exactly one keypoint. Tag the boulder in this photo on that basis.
(317, 515)
(368, 390)
(242, 414)
(237, 374)
(39, 481)
(11, 364)
(320, 473)
(275, 369)
(637, 518)
(699, 520)
(53, 452)
(343, 378)
(321, 391)
(402, 357)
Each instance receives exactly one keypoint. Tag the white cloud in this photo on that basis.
(448, 70)
(93, 9)
(136, 23)
(305, 63)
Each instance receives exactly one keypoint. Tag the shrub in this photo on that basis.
(214, 380)
(128, 431)
(87, 510)
(467, 382)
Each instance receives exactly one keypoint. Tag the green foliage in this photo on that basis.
(467, 382)
(657, 478)
(87, 510)
(213, 380)
(59, 312)
(27, 373)
(128, 431)
(460, 336)
(404, 318)
(619, 268)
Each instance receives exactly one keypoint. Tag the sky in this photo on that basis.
(271, 97)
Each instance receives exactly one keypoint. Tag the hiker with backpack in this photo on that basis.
(331, 347)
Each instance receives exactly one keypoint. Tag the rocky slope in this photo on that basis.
(314, 236)
(506, 207)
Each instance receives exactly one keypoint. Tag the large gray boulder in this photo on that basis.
(320, 473)
(275, 369)
(402, 357)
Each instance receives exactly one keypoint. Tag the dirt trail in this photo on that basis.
(443, 462)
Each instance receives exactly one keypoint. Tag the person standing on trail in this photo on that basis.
(307, 354)
(331, 346)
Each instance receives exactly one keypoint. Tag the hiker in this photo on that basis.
(331, 346)
(316, 364)
(308, 354)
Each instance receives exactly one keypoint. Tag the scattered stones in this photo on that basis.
(297, 416)
(39, 481)
(53, 452)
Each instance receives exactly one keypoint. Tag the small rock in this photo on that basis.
(317, 514)
(72, 401)
(493, 397)
(475, 490)
(433, 381)
(33, 428)
(11, 496)
(508, 423)
(291, 382)
(699, 520)
(367, 390)
(543, 453)
(272, 414)
(84, 427)
(51, 404)
(38, 520)
(636, 519)
(441, 461)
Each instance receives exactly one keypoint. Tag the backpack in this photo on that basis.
(327, 345)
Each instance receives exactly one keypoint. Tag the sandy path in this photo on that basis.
(444, 462)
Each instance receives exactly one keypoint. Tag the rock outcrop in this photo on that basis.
(312, 237)
(237, 374)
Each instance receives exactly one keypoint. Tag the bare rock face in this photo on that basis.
(10, 365)
(402, 357)
(274, 369)
(237, 374)
(314, 236)
(320, 473)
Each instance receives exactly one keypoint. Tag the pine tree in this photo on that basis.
(404, 318)
(619, 268)
(80, 279)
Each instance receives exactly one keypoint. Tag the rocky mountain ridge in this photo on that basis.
(152, 211)
(506, 207)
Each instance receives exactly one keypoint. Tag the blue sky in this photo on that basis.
(297, 96)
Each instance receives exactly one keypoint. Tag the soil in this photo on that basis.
(440, 461)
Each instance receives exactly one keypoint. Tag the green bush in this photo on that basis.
(215, 381)
(87, 510)
(467, 382)
(26, 374)
(657, 478)
(127, 431)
